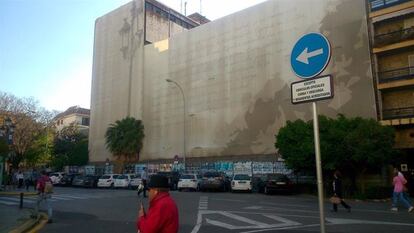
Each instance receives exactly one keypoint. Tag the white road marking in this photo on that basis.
(339, 221)
(17, 200)
(231, 200)
(199, 214)
(283, 228)
(276, 204)
(7, 202)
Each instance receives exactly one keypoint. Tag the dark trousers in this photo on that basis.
(20, 183)
(346, 206)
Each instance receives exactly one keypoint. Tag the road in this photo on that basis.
(102, 210)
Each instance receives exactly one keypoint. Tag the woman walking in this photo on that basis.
(398, 194)
(337, 192)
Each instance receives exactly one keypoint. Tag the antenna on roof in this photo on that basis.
(181, 7)
(185, 8)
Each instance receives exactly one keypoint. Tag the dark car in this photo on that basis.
(78, 181)
(213, 181)
(67, 179)
(276, 182)
(173, 178)
(90, 181)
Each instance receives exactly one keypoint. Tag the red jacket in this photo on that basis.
(162, 216)
(41, 182)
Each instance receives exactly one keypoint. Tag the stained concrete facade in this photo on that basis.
(235, 74)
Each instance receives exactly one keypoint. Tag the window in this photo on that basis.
(85, 121)
(411, 63)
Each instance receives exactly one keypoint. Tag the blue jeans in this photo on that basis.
(399, 196)
(46, 198)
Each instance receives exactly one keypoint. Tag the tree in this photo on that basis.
(353, 145)
(29, 120)
(70, 148)
(124, 138)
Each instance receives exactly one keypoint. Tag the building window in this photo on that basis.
(85, 121)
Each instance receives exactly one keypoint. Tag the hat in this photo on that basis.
(158, 181)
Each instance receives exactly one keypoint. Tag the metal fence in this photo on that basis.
(396, 74)
(396, 113)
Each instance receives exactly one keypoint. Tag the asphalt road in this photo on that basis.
(92, 210)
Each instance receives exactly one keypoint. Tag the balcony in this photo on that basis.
(397, 113)
(394, 37)
(399, 74)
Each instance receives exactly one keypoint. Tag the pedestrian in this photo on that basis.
(15, 180)
(405, 187)
(337, 192)
(162, 216)
(35, 177)
(44, 193)
(20, 179)
(27, 179)
(399, 181)
(144, 178)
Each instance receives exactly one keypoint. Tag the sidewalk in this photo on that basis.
(12, 218)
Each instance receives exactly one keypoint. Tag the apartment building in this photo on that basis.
(391, 25)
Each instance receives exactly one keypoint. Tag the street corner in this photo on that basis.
(31, 225)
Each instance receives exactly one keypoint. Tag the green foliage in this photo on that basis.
(4, 148)
(70, 148)
(125, 137)
(352, 145)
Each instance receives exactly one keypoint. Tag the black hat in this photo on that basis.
(158, 181)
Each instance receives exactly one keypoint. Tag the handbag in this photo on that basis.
(335, 200)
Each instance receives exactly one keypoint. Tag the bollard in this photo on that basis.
(21, 200)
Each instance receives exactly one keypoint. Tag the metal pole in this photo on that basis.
(184, 133)
(21, 200)
(318, 167)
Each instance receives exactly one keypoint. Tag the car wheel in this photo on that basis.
(112, 186)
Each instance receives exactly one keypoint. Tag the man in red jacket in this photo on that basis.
(162, 216)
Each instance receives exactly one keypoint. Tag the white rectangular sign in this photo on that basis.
(312, 90)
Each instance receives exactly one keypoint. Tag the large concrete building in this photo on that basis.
(234, 73)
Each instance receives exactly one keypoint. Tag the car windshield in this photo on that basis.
(241, 177)
(122, 177)
(115, 176)
(136, 176)
(187, 177)
(106, 177)
(277, 177)
(211, 174)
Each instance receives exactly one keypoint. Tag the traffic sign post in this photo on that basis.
(310, 56)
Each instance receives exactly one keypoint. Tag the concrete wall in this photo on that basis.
(117, 76)
(235, 73)
(236, 76)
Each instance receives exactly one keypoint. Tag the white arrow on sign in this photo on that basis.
(304, 55)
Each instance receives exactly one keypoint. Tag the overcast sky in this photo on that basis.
(46, 46)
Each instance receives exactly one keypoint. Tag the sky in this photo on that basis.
(46, 46)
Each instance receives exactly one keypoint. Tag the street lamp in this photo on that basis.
(184, 108)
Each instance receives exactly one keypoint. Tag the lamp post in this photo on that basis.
(184, 108)
(6, 131)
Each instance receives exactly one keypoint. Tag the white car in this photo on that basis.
(107, 181)
(189, 181)
(241, 182)
(123, 181)
(135, 181)
(56, 177)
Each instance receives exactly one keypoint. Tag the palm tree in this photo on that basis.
(124, 138)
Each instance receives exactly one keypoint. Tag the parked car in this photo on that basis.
(189, 181)
(213, 181)
(122, 181)
(241, 182)
(78, 181)
(135, 181)
(55, 177)
(107, 181)
(173, 178)
(276, 182)
(90, 181)
(67, 179)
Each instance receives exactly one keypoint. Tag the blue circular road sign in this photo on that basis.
(310, 55)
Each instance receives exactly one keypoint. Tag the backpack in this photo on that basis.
(48, 187)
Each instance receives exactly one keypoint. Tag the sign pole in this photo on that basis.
(318, 167)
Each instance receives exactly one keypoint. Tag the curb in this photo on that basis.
(40, 224)
(17, 193)
(29, 224)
